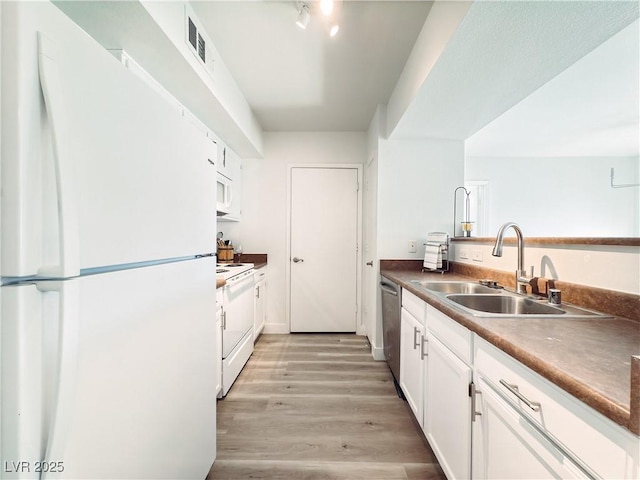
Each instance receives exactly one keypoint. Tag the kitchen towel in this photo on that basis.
(435, 250)
(432, 256)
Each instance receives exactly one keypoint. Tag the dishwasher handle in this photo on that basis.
(385, 287)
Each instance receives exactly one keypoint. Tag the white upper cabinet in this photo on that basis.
(230, 167)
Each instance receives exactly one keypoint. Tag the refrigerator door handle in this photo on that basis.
(65, 365)
(64, 165)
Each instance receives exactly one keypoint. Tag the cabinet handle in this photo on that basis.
(224, 320)
(415, 335)
(535, 406)
(472, 393)
(423, 351)
(258, 291)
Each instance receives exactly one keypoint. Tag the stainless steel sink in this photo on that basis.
(512, 305)
(504, 304)
(449, 287)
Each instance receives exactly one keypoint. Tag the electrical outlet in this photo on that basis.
(413, 246)
(477, 255)
(464, 254)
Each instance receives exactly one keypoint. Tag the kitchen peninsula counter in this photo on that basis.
(589, 358)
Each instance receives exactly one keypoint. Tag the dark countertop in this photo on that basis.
(590, 359)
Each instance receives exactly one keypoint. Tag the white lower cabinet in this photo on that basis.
(487, 416)
(412, 362)
(565, 437)
(259, 302)
(447, 409)
(507, 446)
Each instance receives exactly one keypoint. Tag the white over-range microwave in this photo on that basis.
(224, 195)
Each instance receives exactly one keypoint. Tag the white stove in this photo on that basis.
(237, 319)
(230, 270)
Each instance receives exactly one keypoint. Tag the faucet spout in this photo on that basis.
(522, 280)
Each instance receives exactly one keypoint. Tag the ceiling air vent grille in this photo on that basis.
(198, 40)
(192, 33)
(202, 49)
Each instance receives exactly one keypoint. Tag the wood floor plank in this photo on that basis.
(298, 470)
(284, 374)
(310, 406)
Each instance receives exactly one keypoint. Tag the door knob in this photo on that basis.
(370, 263)
(296, 260)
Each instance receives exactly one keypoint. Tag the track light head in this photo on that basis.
(304, 16)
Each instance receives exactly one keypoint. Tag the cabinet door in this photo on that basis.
(260, 293)
(231, 167)
(447, 409)
(219, 352)
(506, 445)
(411, 362)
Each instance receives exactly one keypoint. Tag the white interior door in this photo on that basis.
(324, 236)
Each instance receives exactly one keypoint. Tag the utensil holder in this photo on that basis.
(225, 254)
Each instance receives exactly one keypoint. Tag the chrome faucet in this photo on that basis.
(522, 280)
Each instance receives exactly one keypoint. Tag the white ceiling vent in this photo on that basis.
(198, 40)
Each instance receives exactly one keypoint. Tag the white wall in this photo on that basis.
(263, 228)
(416, 180)
(560, 196)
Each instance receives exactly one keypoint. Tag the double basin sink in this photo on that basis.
(482, 301)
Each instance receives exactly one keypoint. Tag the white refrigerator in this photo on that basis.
(108, 211)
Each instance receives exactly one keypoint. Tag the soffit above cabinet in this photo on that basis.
(154, 35)
(500, 53)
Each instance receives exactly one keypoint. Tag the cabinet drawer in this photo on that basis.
(605, 448)
(414, 305)
(451, 333)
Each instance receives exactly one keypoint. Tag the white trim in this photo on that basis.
(275, 328)
(360, 329)
(378, 354)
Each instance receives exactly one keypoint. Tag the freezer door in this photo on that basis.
(93, 160)
(136, 396)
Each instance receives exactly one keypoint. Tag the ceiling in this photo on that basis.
(303, 80)
(504, 51)
(590, 109)
(501, 54)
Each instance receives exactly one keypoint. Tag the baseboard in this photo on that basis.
(275, 328)
(377, 353)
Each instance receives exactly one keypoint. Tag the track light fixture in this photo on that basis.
(330, 10)
(304, 16)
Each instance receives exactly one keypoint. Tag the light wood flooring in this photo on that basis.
(317, 406)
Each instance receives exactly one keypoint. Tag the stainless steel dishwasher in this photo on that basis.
(391, 295)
